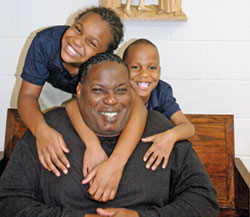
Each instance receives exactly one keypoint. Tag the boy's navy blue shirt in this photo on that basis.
(162, 100)
(43, 61)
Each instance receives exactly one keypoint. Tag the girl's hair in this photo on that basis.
(99, 58)
(114, 21)
(138, 41)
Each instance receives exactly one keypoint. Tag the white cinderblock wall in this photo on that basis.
(206, 60)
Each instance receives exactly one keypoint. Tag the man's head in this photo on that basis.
(104, 95)
(96, 30)
(143, 61)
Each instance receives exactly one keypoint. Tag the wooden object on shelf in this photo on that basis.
(214, 144)
(166, 10)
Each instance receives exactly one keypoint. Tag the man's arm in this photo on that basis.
(21, 191)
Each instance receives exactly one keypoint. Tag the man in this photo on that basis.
(104, 99)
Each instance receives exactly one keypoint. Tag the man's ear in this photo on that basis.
(78, 89)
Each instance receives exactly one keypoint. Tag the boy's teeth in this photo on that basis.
(109, 114)
(143, 84)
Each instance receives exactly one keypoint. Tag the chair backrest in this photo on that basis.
(213, 142)
(15, 128)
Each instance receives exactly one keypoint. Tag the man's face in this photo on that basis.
(143, 63)
(85, 38)
(105, 99)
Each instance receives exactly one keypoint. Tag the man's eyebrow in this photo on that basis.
(123, 84)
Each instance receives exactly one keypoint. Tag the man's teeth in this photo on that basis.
(143, 84)
(110, 114)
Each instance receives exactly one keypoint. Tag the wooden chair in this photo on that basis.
(214, 144)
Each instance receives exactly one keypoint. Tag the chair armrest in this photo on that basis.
(242, 187)
(243, 171)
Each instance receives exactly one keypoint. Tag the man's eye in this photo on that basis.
(97, 90)
(122, 90)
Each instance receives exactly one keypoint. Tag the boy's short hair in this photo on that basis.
(98, 58)
(138, 41)
(114, 21)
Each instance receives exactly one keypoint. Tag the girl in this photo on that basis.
(55, 56)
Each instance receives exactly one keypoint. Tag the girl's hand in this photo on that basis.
(51, 148)
(104, 180)
(160, 149)
(93, 155)
(117, 212)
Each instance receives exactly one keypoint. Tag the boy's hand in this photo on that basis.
(93, 155)
(51, 148)
(159, 151)
(105, 179)
(117, 212)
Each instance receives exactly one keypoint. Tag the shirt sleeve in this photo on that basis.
(35, 68)
(192, 191)
(168, 104)
(20, 190)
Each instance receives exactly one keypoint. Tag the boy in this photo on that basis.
(142, 58)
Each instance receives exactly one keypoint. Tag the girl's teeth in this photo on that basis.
(72, 50)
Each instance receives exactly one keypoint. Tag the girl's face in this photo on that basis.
(86, 37)
(143, 63)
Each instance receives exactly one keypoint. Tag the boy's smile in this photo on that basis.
(143, 63)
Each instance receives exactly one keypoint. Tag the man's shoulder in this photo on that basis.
(157, 123)
(56, 114)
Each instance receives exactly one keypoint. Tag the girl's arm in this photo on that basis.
(106, 176)
(94, 154)
(50, 144)
(163, 143)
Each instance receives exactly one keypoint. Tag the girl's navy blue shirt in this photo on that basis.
(43, 61)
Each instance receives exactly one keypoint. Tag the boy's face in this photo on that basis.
(86, 37)
(143, 63)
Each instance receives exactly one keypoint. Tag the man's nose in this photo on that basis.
(110, 99)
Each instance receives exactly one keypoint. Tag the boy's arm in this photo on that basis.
(94, 154)
(50, 144)
(104, 184)
(163, 143)
(183, 128)
(132, 133)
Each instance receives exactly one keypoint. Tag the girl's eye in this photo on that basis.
(92, 44)
(78, 29)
